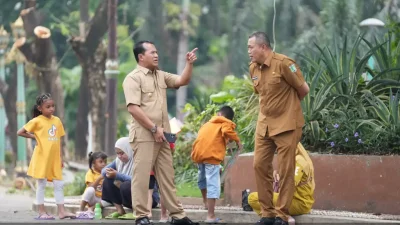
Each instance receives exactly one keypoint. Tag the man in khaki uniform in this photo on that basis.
(281, 86)
(145, 94)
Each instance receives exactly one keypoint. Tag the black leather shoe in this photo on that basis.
(279, 221)
(143, 221)
(266, 221)
(183, 221)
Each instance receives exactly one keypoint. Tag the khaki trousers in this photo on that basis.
(149, 155)
(265, 146)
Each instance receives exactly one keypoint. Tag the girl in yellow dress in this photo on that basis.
(46, 162)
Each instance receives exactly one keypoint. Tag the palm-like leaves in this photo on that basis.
(338, 92)
(335, 80)
(386, 109)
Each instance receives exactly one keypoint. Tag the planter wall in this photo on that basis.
(343, 182)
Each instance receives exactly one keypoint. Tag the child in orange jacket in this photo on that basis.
(209, 150)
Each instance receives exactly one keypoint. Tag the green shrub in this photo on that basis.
(77, 187)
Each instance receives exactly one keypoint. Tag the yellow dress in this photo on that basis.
(46, 159)
(91, 177)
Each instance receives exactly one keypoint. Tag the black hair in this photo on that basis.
(139, 49)
(227, 112)
(96, 155)
(261, 38)
(39, 101)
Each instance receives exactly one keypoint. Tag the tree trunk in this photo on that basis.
(154, 30)
(235, 33)
(182, 50)
(93, 72)
(97, 86)
(112, 73)
(91, 55)
(9, 93)
(84, 17)
(39, 53)
(81, 141)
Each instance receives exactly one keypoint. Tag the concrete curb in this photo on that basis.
(232, 217)
(75, 200)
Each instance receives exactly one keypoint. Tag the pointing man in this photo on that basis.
(145, 94)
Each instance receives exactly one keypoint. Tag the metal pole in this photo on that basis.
(21, 115)
(2, 115)
(111, 76)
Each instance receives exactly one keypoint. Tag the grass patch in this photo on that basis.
(77, 187)
(188, 190)
(183, 190)
(191, 190)
(69, 190)
(11, 191)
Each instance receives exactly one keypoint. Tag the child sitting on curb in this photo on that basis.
(94, 183)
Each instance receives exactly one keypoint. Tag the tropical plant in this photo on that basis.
(386, 110)
(337, 81)
(386, 58)
(347, 131)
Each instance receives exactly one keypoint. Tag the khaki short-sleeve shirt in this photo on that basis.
(147, 89)
(276, 82)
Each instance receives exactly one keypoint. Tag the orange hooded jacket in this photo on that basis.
(210, 145)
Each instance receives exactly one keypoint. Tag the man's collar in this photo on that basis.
(143, 69)
(269, 58)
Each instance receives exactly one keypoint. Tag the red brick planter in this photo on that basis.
(355, 183)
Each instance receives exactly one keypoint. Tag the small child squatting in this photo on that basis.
(94, 183)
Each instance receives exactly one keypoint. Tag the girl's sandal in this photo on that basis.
(45, 216)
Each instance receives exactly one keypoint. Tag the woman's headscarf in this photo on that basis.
(304, 160)
(124, 145)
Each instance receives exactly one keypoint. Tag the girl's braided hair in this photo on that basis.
(39, 101)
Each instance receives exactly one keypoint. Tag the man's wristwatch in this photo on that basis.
(154, 129)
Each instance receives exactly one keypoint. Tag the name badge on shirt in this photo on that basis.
(254, 78)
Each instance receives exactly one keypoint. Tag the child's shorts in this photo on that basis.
(209, 178)
(90, 197)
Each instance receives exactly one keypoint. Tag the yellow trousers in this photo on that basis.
(295, 208)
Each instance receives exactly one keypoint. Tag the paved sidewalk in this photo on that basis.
(234, 215)
(20, 201)
(16, 209)
(26, 217)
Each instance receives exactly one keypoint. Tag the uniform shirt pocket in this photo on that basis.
(275, 79)
(148, 90)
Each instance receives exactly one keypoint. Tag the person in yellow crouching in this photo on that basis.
(303, 198)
